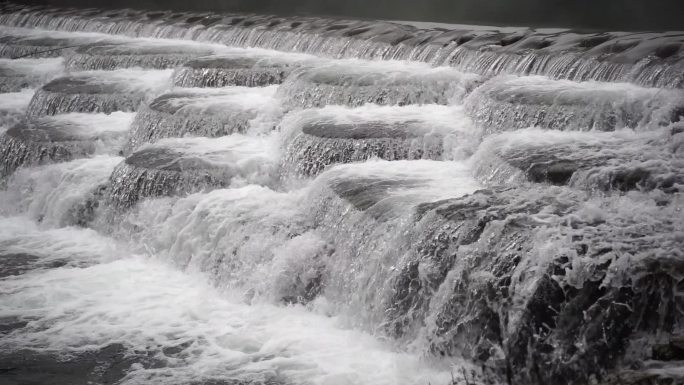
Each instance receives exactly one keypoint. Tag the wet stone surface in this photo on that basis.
(108, 365)
(12, 264)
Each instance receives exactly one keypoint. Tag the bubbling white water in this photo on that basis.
(18, 74)
(56, 195)
(13, 107)
(147, 306)
(216, 268)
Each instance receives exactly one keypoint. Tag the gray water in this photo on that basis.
(222, 199)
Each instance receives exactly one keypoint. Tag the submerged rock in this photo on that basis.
(183, 166)
(206, 112)
(241, 68)
(105, 91)
(138, 53)
(594, 161)
(509, 103)
(108, 364)
(320, 138)
(35, 44)
(61, 138)
(355, 82)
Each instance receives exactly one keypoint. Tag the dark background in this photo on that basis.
(632, 15)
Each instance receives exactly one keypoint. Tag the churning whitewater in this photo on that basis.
(209, 199)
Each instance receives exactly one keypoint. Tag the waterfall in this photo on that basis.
(27, 73)
(96, 91)
(135, 54)
(521, 102)
(61, 138)
(647, 59)
(355, 83)
(317, 138)
(202, 198)
(175, 166)
(251, 68)
(206, 113)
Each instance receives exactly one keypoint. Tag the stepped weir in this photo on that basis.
(193, 198)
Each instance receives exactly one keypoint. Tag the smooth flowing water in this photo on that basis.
(208, 199)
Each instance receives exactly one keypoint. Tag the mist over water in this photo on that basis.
(207, 199)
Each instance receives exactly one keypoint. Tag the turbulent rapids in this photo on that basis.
(218, 199)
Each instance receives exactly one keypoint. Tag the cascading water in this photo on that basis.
(251, 68)
(267, 203)
(18, 74)
(206, 112)
(97, 91)
(354, 83)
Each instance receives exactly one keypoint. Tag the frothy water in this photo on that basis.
(60, 194)
(180, 166)
(13, 107)
(206, 112)
(18, 74)
(208, 199)
(193, 333)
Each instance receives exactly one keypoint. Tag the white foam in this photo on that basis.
(37, 70)
(146, 306)
(19, 234)
(13, 107)
(52, 194)
(135, 80)
(248, 159)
